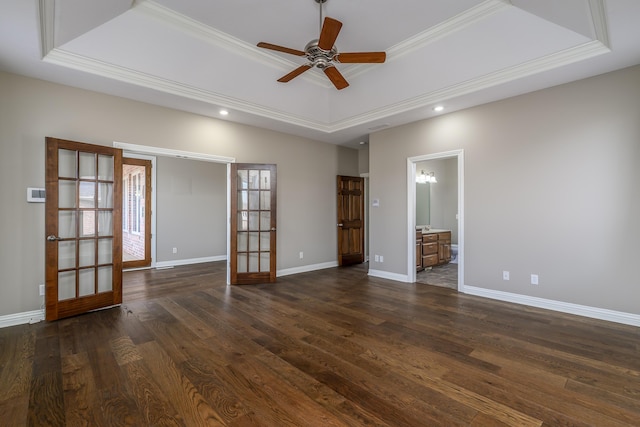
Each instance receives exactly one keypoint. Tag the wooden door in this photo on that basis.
(253, 224)
(136, 213)
(83, 226)
(350, 220)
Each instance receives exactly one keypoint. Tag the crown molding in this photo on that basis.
(437, 32)
(47, 18)
(571, 55)
(223, 40)
(545, 63)
(100, 68)
(599, 20)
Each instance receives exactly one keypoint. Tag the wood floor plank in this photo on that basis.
(183, 395)
(79, 389)
(46, 403)
(16, 361)
(328, 348)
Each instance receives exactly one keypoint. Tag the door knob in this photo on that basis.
(52, 238)
(340, 225)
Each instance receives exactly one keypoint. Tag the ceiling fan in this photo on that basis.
(323, 54)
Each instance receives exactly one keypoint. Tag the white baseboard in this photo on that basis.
(387, 275)
(176, 262)
(563, 307)
(21, 318)
(306, 268)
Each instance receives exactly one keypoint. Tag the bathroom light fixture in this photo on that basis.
(425, 177)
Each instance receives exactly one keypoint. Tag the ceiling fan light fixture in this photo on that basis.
(322, 53)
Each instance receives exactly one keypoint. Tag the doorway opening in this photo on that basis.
(443, 228)
(149, 152)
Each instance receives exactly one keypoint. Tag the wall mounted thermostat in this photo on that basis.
(35, 195)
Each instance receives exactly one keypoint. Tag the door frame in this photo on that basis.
(411, 211)
(127, 154)
(135, 149)
(366, 216)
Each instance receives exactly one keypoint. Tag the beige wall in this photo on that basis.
(192, 209)
(32, 109)
(552, 187)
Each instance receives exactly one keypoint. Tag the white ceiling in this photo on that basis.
(201, 55)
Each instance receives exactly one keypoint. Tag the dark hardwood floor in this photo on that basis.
(329, 348)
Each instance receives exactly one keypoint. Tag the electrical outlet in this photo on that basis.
(534, 279)
(175, 250)
(376, 258)
(301, 254)
(41, 288)
(505, 275)
(381, 258)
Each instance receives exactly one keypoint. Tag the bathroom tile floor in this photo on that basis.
(442, 275)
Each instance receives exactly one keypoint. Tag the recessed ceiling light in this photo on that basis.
(224, 113)
(438, 108)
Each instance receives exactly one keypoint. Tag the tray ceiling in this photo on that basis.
(200, 56)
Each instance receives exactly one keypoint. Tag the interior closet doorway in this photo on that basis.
(412, 247)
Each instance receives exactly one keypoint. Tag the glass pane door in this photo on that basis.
(81, 218)
(253, 230)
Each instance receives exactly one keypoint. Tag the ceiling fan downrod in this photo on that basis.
(321, 2)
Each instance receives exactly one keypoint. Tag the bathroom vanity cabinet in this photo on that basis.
(435, 249)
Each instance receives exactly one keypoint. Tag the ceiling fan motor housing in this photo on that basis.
(319, 57)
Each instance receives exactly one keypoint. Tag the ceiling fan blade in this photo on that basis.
(336, 77)
(281, 49)
(295, 73)
(362, 57)
(329, 33)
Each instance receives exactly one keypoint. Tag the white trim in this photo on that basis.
(145, 149)
(228, 224)
(411, 211)
(306, 268)
(47, 16)
(390, 276)
(564, 307)
(14, 319)
(599, 19)
(176, 262)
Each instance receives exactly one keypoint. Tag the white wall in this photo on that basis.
(552, 187)
(32, 109)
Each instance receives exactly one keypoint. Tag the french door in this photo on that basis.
(253, 224)
(136, 213)
(350, 220)
(83, 224)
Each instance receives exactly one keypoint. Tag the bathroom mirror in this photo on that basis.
(423, 199)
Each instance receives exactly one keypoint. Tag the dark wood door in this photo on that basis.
(350, 220)
(83, 226)
(136, 213)
(253, 224)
